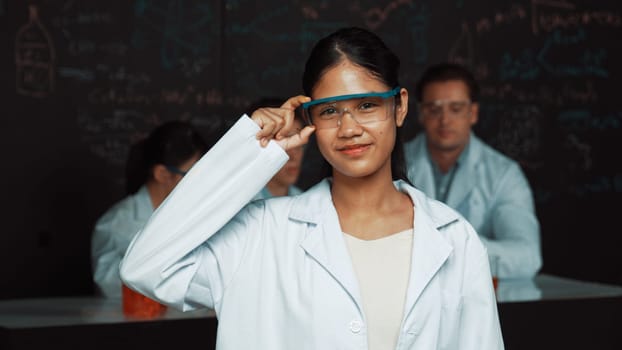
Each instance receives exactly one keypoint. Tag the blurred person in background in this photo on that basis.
(449, 163)
(155, 165)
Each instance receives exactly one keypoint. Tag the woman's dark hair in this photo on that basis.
(365, 49)
(172, 143)
(443, 72)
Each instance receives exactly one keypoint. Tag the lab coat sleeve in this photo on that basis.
(162, 259)
(516, 229)
(480, 319)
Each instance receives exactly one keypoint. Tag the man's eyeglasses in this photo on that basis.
(326, 113)
(175, 170)
(453, 109)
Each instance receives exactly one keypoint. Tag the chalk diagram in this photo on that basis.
(35, 58)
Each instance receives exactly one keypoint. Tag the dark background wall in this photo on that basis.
(81, 80)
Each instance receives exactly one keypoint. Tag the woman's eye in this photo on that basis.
(367, 106)
(328, 112)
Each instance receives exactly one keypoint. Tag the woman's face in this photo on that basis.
(353, 149)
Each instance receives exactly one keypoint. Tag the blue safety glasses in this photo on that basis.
(326, 113)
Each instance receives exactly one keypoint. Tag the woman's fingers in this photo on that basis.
(299, 139)
(278, 123)
(290, 107)
(270, 121)
(291, 104)
(295, 102)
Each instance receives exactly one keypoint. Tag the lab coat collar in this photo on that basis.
(324, 240)
(311, 205)
(430, 249)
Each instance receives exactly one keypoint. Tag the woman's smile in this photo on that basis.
(354, 149)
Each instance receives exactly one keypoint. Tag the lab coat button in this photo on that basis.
(355, 326)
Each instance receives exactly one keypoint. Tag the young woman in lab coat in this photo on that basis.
(358, 261)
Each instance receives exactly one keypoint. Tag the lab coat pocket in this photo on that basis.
(451, 314)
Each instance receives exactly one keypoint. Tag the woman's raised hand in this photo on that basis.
(278, 124)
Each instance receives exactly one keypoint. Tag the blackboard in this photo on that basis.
(84, 79)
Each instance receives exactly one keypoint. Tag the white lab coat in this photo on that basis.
(278, 273)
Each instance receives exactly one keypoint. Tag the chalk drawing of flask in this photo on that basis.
(34, 57)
